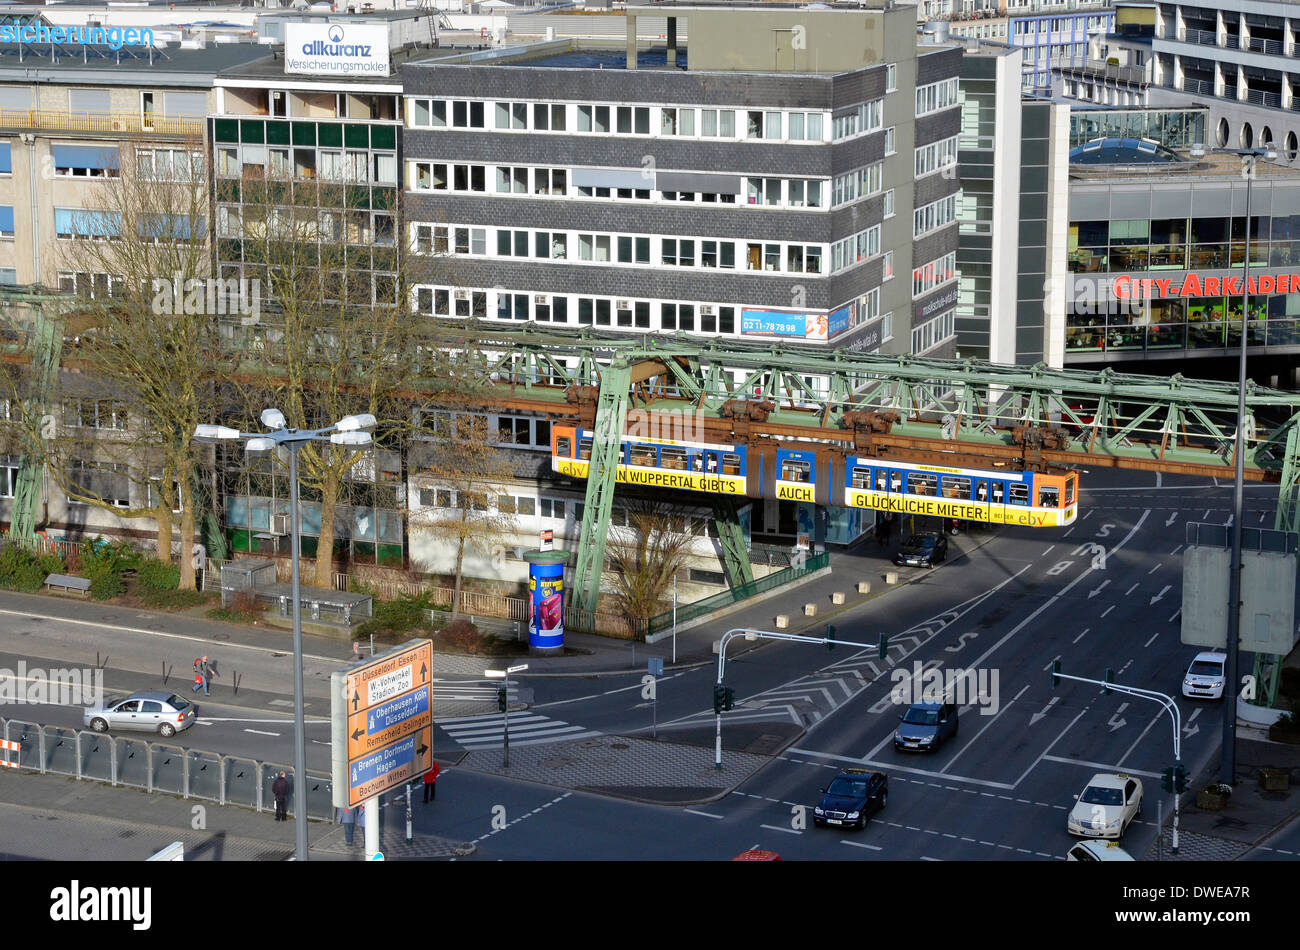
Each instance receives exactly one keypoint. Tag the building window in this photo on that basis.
(891, 78)
(86, 161)
(931, 275)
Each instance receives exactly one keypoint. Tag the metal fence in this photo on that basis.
(1252, 539)
(161, 767)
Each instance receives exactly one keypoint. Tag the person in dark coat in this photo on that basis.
(280, 790)
(431, 783)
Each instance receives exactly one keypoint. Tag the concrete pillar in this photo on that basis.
(631, 41)
(370, 827)
(672, 41)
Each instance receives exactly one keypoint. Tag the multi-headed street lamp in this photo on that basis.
(349, 431)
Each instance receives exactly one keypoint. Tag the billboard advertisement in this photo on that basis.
(785, 324)
(336, 49)
(546, 605)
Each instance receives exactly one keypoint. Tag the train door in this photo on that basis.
(997, 501)
(712, 462)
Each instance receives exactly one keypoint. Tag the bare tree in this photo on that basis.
(147, 339)
(464, 463)
(646, 555)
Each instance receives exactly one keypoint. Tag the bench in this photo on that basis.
(68, 582)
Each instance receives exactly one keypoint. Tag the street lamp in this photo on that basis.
(350, 430)
(1228, 763)
(504, 697)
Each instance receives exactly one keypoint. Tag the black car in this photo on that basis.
(926, 726)
(922, 550)
(852, 797)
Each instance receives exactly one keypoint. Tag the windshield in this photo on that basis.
(1096, 795)
(921, 717)
(918, 543)
(1205, 668)
(848, 788)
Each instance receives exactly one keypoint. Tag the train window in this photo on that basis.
(1019, 494)
(923, 483)
(981, 490)
(584, 448)
(880, 479)
(1069, 490)
(862, 478)
(711, 462)
(895, 481)
(643, 455)
(730, 463)
(1049, 496)
(794, 470)
(697, 462)
(999, 490)
(564, 447)
(956, 486)
(672, 456)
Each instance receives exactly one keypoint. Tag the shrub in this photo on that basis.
(243, 608)
(21, 569)
(171, 599)
(158, 575)
(105, 585)
(463, 635)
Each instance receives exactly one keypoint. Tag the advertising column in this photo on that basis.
(546, 601)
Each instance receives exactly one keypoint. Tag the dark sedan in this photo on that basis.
(922, 550)
(852, 797)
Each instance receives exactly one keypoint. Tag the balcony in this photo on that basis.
(1271, 47)
(108, 123)
(1201, 37)
(1271, 99)
(1199, 87)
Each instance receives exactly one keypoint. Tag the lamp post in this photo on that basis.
(351, 431)
(1228, 762)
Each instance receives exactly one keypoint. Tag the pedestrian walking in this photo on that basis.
(431, 783)
(202, 675)
(347, 817)
(280, 790)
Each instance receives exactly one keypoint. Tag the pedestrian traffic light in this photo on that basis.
(719, 697)
(1110, 678)
(1167, 779)
(502, 698)
(1056, 670)
(728, 698)
(1180, 778)
(830, 637)
(882, 645)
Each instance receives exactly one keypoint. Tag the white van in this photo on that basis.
(1098, 851)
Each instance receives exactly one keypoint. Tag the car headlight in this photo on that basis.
(854, 814)
(818, 810)
(1216, 685)
(1114, 824)
(926, 739)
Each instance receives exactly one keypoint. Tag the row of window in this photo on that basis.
(866, 118)
(934, 332)
(929, 276)
(855, 248)
(342, 165)
(859, 183)
(934, 215)
(783, 257)
(936, 156)
(341, 227)
(936, 96)
(598, 119)
(95, 414)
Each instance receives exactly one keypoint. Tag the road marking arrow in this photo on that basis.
(1188, 729)
(1046, 709)
(1164, 590)
(1122, 722)
(1094, 593)
(961, 642)
(1172, 518)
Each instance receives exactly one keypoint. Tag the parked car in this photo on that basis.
(1205, 677)
(922, 550)
(160, 712)
(925, 726)
(1106, 807)
(852, 797)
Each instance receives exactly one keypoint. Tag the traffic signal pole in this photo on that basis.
(724, 696)
(1171, 707)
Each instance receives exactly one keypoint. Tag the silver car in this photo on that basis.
(163, 713)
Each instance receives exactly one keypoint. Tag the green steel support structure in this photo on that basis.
(45, 342)
(731, 536)
(615, 381)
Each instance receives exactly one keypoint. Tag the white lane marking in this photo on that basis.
(1153, 570)
(1149, 642)
(703, 814)
(1174, 615)
(1100, 765)
(1129, 751)
(308, 720)
(1206, 516)
(992, 719)
(1175, 550)
(924, 858)
(1060, 735)
(1048, 551)
(1108, 610)
(859, 844)
(894, 767)
(1130, 590)
(522, 817)
(259, 732)
(1082, 635)
(789, 831)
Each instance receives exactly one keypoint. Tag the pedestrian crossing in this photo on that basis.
(487, 732)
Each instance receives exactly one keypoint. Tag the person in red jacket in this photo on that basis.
(431, 783)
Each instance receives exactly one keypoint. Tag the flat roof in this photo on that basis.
(1213, 166)
(42, 62)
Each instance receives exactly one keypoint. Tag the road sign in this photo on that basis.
(656, 666)
(381, 713)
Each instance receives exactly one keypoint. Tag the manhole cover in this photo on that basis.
(221, 636)
(620, 745)
(590, 744)
(126, 834)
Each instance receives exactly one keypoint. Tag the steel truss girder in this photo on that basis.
(735, 556)
(602, 472)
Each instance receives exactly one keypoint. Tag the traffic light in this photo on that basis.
(882, 646)
(1180, 778)
(1167, 779)
(728, 698)
(830, 635)
(1056, 669)
(1110, 678)
(719, 698)
(502, 698)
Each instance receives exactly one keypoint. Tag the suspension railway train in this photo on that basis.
(1032, 499)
